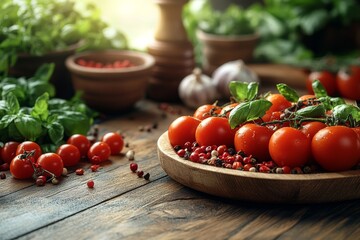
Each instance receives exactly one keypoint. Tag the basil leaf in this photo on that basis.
(248, 111)
(3, 108)
(74, 122)
(243, 91)
(40, 109)
(14, 89)
(344, 111)
(312, 111)
(44, 72)
(46, 148)
(289, 93)
(56, 132)
(331, 102)
(29, 127)
(14, 133)
(318, 89)
(12, 103)
(38, 88)
(6, 120)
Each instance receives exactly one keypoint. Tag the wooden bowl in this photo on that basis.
(258, 187)
(218, 50)
(111, 89)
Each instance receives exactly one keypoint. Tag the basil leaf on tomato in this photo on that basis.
(289, 93)
(318, 89)
(243, 91)
(312, 111)
(342, 113)
(248, 111)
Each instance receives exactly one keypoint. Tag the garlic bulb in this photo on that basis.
(197, 89)
(232, 71)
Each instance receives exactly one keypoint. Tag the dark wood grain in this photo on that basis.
(123, 206)
(167, 210)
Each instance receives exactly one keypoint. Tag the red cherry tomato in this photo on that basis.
(306, 97)
(311, 128)
(51, 162)
(81, 142)
(29, 146)
(357, 130)
(327, 79)
(69, 154)
(215, 131)
(336, 148)
(21, 168)
(115, 142)
(182, 130)
(206, 111)
(290, 147)
(253, 140)
(348, 82)
(279, 103)
(8, 151)
(227, 109)
(99, 152)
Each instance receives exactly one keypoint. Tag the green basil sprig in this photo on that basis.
(248, 111)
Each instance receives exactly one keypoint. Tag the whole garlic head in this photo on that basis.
(232, 71)
(197, 89)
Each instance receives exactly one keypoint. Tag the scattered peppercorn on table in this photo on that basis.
(116, 203)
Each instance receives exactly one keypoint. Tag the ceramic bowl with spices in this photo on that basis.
(111, 80)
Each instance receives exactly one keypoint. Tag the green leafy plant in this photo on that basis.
(233, 21)
(39, 26)
(28, 111)
(285, 27)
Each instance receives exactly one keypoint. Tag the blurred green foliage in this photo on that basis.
(36, 27)
(283, 25)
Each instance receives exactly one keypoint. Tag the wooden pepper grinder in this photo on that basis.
(173, 52)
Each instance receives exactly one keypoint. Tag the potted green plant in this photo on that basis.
(37, 32)
(223, 36)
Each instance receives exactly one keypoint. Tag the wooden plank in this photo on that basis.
(25, 207)
(163, 209)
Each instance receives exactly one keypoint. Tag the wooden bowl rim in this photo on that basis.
(226, 38)
(149, 62)
(164, 146)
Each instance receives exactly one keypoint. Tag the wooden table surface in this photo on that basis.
(123, 206)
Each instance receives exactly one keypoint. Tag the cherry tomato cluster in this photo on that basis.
(268, 144)
(117, 64)
(26, 160)
(344, 83)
